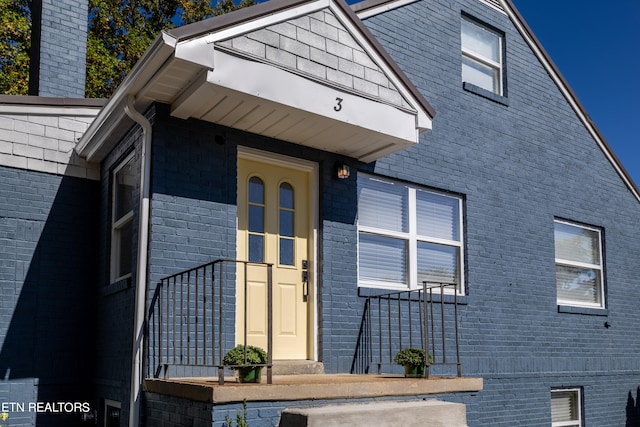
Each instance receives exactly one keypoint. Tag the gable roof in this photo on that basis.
(369, 8)
(255, 70)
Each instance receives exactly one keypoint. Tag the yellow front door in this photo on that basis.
(273, 227)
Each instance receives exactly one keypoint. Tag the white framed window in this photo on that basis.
(407, 235)
(123, 185)
(482, 57)
(579, 275)
(566, 407)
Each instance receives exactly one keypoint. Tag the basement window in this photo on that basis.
(566, 407)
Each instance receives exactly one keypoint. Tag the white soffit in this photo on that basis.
(265, 100)
(295, 100)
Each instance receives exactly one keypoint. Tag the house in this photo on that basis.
(295, 175)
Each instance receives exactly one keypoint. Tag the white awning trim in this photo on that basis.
(199, 79)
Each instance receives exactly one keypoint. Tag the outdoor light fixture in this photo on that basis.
(343, 171)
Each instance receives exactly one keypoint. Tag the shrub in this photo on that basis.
(412, 357)
(235, 356)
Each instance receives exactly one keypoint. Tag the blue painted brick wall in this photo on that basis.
(63, 48)
(47, 227)
(194, 193)
(167, 410)
(112, 376)
(517, 164)
(194, 206)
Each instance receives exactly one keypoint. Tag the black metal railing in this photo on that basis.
(191, 322)
(418, 318)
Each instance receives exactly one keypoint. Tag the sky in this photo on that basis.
(596, 47)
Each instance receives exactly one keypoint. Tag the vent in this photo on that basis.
(494, 4)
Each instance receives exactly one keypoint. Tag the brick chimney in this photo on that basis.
(58, 48)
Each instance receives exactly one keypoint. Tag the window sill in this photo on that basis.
(470, 87)
(583, 310)
(117, 286)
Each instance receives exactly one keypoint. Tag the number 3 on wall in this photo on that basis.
(338, 105)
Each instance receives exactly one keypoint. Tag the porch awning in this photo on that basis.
(307, 72)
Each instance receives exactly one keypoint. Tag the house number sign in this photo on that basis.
(338, 105)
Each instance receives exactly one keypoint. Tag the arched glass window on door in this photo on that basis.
(256, 219)
(286, 226)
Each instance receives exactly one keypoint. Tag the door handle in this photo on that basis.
(305, 285)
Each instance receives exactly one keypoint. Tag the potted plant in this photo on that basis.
(414, 360)
(248, 372)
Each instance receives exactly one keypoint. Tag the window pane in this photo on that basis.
(286, 223)
(382, 259)
(437, 215)
(382, 205)
(286, 210)
(437, 263)
(256, 248)
(480, 40)
(256, 219)
(578, 284)
(125, 242)
(286, 196)
(286, 251)
(256, 190)
(564, 406)
(479, 74)
(577, 243)
(124, 186)
(256, 206)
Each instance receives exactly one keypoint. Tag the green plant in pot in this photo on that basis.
(414, 360)
(248, 372)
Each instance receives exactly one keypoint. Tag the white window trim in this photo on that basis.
(597, 267)
(578, 392)
(412, 238)
(487, 61)
(117, 225)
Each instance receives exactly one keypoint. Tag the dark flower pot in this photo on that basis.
(413, 371)
(250, 374)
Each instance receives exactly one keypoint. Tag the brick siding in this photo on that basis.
(63, 48)
(319, 46)
(47, 227)
(518, 164)
(42, 138)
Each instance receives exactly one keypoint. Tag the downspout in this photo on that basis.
(141, 273)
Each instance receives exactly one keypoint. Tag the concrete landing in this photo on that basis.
(297, 367)
(309, 387)
(432, 413)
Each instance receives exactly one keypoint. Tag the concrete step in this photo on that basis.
(297, 367)
(432, 413)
